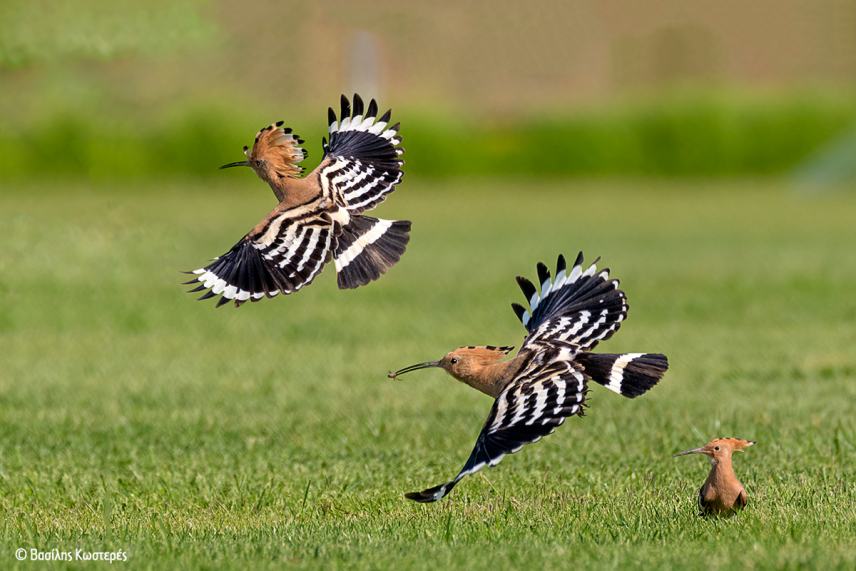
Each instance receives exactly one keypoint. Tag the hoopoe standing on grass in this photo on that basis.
(722, 492)
(318, 216)
(547, 380)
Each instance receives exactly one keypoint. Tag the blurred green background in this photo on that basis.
(707, 151)
(118, 90)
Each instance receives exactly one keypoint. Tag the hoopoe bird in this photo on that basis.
(546, 381)
(722, 492)
(319, 216)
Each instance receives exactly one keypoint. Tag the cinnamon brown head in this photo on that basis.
(720, 448)
(275, 154)
(463, 362)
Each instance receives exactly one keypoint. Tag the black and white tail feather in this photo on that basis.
(628, 374)
(367, 248)
(568, 315)
(361, 167)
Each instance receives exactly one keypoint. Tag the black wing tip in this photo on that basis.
(422, 497)
(543, 272)
(358, 104)
(345, 106)
(209, 294)
(526, 286)
(431, 494)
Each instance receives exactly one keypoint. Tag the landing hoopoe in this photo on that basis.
(722, 491)
(547, 380)
(319, 216)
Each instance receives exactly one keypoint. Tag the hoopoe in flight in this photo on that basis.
(319, 216)
(722, 492)
(546, 381)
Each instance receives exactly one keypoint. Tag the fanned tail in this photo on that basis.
(628, 374)
(367, 248)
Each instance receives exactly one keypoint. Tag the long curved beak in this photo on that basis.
(691, 451)
(236, 164)
(416, 367)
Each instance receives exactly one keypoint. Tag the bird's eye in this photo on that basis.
(716, 447)
(454, 360)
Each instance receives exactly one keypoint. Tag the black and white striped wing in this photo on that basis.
(363, 158)
(579, 307)
(550, 388)
(281, 255)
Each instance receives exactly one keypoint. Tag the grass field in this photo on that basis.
(135, 418)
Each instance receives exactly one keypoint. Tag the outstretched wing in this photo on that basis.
(281, 254)
(549, 388)
(580, 307)
(362, 162)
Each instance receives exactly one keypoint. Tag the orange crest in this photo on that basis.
(733, 443)
(278, 150)
(483, 353)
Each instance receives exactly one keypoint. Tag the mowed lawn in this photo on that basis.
(134, 418)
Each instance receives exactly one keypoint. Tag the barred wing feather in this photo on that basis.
(281, 255)
(549, 388)
(363, 158)
(581, 307)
